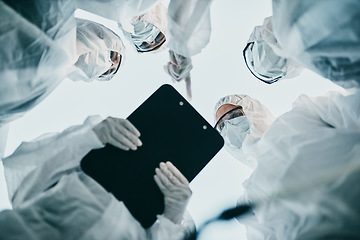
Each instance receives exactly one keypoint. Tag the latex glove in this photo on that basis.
(118, 132)
(176, 190)
(179, 68)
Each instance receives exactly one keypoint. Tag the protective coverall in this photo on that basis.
(308, 169)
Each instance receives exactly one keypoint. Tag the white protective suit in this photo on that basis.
(53, 199)
(321, 35)
(38, 42)
(310, 157)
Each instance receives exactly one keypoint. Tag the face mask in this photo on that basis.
(93, 65)
(264, 63)
(144, 32)
(234, 133)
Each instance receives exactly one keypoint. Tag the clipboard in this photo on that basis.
(171, 130)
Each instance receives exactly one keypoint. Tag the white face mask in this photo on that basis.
(234, 133)
(144, 32)
(92, 65)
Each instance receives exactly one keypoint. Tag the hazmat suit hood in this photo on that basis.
(259, 118)
(94, 44)
(146, 27)
(264, 57)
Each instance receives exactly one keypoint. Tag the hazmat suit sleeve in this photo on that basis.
(188, 20)
(321, 35)
(163, 228)
(12, 225)
(45, 184)
(37, 48)
(42, 162)
(188, 26)
(308, 166)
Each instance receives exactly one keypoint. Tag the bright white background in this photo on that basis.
(218, 71)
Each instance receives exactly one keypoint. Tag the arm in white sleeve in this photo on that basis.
(188, 20)
(37, 48)
(189, 26)
(14, 227)
(163, 228)
(36, 165)
(340, 109)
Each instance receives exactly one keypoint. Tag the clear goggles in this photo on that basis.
(115, 59)
(153, 45)
(233, 113)
(249, 61)
(147, 37)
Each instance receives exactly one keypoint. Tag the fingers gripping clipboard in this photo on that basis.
(171, 130)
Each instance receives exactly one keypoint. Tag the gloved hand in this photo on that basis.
(179, 68)
(175, 188)
(118, 132)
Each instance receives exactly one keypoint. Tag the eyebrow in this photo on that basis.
(230, 111)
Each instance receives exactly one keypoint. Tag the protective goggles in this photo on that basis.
(249, 61)
(233, 113)
(115, 59)
(151, 46)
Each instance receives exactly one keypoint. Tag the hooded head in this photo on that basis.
(241, 120)
(100, 52)
(147, 32)
(263, 56)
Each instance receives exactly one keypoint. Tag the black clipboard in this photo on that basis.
(171, 130)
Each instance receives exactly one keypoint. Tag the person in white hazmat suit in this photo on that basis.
(38, 52)
(39, 48)
(99, 52)
(53, 199)
(322, 36)
(306, 165)
(147, 33)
